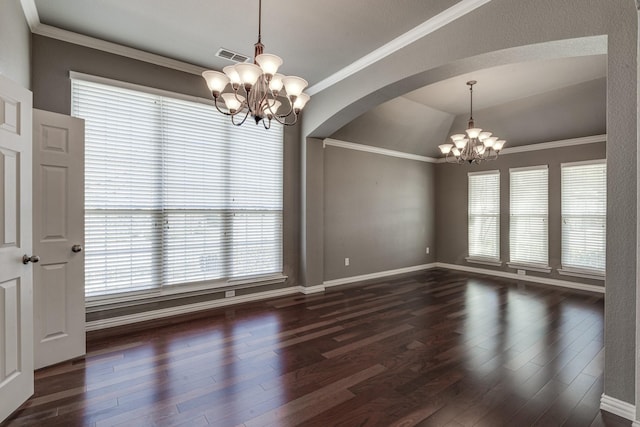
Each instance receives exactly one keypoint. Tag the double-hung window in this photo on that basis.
(175, 194)
(584, 218)
(484, 216)
(528, 219)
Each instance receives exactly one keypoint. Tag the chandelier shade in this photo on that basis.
(257, 90)
(475, 145)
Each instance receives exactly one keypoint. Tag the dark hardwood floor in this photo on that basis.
(432, 349)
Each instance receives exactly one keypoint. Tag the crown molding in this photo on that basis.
(376, 150)
(440, 20)
(429, 26)
(33, 20)
(555, 144)
(549, 145)
(30, 13)
(117, 49)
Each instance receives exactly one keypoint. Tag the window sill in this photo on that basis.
(485, 261)
(539, 268)
(179, 291)
(584, 274)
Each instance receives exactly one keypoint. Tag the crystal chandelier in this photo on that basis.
(256, 89)
(474, 147)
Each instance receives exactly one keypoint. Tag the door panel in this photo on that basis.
(58, 197)
(16, 292)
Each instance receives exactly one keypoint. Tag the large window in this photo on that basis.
(528, 219)
(584, 215)
(484, 216)
(175, 194)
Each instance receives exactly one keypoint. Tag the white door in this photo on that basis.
(16, 292)
(58, 236)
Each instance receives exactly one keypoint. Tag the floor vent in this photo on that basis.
(231, 56)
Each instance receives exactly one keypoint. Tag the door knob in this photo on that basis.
(26, 259)
(76, 248)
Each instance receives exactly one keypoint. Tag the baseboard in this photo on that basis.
(619, 408)
(378, 275)
(514, 276)
(311, 289)
(96, 325)
(635, 424)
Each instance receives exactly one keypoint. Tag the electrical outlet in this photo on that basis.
(229, 294)
(346, 262)
(427, 250)
(522, 272)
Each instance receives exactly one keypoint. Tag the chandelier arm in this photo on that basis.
(245, 102)
(288, 112)
(215, 102)
(283, 119)
(243, 120)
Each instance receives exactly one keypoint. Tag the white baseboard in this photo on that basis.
(619, 408)
(184, 309)
(635, 424)
(311, 289)
(307, 290)
(514, 276)
(378, 275)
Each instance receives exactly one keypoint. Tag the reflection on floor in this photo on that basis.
(433, 349)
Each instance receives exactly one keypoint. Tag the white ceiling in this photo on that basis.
(315, 38)
(319, 38)
(503, 84)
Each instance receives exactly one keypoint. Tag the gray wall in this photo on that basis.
(52, 61)
(570, 112)
(451, 202)
(524, 30)
(15, 43)
(378, 212)
(401, 125)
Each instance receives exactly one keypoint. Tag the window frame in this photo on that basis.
(541, 267)
(168, 292)
(478, 258)
(579, 271)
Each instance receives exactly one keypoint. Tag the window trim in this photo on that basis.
(572, 271)
(532, 266)
(494, 261)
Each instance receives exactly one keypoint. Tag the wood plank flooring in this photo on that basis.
(432, 349)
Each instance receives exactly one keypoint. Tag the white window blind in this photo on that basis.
(528, 221)
(484, 215)
(175, 194)
(584, 215)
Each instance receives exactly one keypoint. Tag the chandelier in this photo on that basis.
(474, 147)
(256, 89)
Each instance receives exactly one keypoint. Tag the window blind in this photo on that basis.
(584, 215)
(484, 215)
(175, 194)
(528, 221)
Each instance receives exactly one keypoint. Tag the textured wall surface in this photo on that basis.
(378, 212)
(15, 43)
